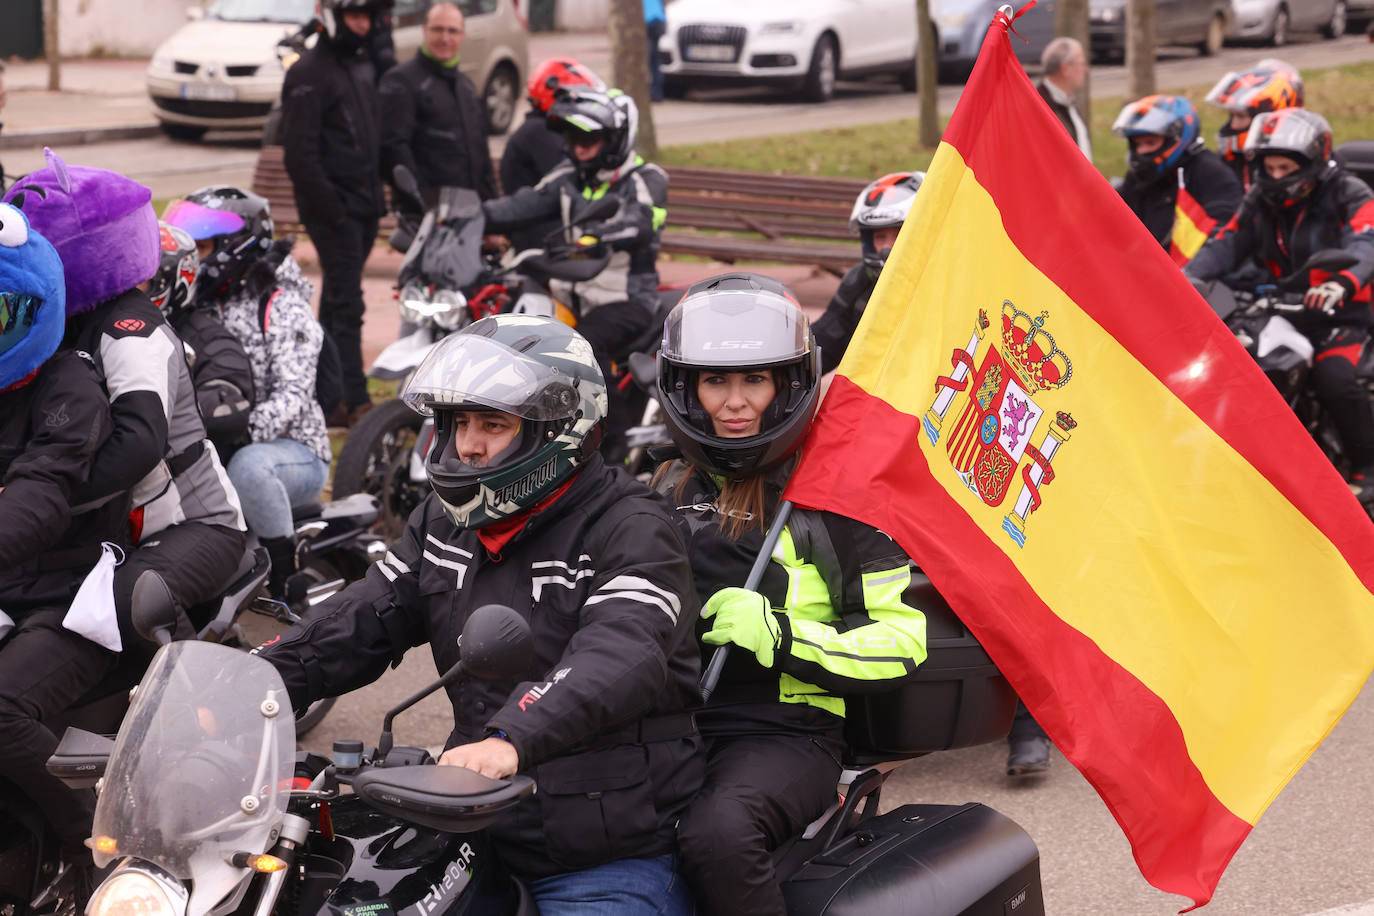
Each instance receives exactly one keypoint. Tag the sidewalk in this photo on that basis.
(100, 100)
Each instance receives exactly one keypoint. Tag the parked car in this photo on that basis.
(1273, 21)
(961, 25)
(222, 70)
(1202, 23)
(799, 45)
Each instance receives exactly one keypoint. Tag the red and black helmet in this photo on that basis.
(883, 204)
(554, 73)
(1297, 134)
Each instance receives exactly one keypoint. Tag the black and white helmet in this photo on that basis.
(581, 111)
(536, 368)
(735, 323)
(884, 204)
(173, 287)
(1299, 134)
(330, 15)
(238, 222)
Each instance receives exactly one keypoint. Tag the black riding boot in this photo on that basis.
(282, 553)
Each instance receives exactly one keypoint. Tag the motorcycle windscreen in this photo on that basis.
(201, 769)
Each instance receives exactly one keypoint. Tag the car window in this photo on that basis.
(262, 10)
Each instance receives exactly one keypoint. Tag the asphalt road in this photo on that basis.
(174, 168)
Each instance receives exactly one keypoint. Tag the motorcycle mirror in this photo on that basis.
(405, 182)
(153, 609)
(496, 643)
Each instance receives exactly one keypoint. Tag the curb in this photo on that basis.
(74, 136)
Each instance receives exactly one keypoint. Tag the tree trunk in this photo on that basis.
(1140, 48)
(629, 49)
(50, 45)
(926, 77)
(1071, 19)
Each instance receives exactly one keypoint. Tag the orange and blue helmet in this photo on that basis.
(1170, 116)
(1270, 85)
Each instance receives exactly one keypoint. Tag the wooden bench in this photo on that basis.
(722, 214)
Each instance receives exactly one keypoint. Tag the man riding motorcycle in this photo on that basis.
(525, 512)
(1269, 85)
(1179, 189)
(1301, 202)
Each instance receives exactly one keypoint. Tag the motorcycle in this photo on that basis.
(203, 810)
(445, 283)
(1255, 311)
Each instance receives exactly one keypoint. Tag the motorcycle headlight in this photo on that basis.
(450, 309)
(415, 305)
(137, 892)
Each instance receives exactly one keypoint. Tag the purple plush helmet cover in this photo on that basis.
(101, 223)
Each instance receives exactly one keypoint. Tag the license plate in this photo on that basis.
(710, 52)
(214, 92)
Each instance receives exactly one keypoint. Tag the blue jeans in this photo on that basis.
(627, 887)
(271, 477)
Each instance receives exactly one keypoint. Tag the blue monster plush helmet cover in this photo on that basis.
(32, 298)
(101, 223)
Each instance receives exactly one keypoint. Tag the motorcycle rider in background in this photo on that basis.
(257, 289)
(535, 148)
(826, 620)
(877, 217)
(54, 417)
(1177, 187)
(619, 305)
(1301, 202)
(1269, 85)
(525, 512)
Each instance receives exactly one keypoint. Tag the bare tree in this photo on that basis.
(50, 45)
(1140, 48)
(629, 48)
(926, 77)
(1071, 19)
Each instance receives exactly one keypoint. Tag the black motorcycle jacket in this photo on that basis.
(331, 136)
(434, 123)
(601, 718)
(50, 432)
(1339, 213)
(222, 375)
(1202, 186)
(632, 234)
(835, 328)
(532, 151)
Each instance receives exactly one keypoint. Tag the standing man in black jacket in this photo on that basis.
(433, 120)
(1065, 69)
(332, 142)
(525, 513)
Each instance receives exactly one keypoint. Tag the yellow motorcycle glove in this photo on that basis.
(746, 619)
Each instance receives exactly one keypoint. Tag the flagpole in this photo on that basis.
(717, 663)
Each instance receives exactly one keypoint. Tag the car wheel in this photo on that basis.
(673, 88)
(1280, 32)
(500, 95)
(182, 131)
(1336, 27)
(820, 78)
(908, 77)
(1215, 37)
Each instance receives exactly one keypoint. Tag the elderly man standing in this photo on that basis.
(1065, 68)
(433, 120)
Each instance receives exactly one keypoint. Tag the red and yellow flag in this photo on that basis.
(1047, 417)
(1192, 225)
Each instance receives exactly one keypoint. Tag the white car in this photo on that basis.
(800, 45)
(222, 69)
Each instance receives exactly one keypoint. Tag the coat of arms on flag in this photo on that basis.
(1000, 418)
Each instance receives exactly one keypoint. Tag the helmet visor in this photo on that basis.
(472, 370)
(201, 222)
(735, 329)
(1153, 121)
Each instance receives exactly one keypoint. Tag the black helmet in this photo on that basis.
(732, 323)
(1303, 136)
(340, 35)
(174, 285)
(883, 204)
(238, 222)
(536, 368)
(584, 111)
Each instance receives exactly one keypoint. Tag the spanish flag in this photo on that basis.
(1192, 226)
(1093, 472)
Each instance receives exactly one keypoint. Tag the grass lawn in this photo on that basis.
(1341, 94)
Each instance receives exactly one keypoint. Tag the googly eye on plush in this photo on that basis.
(14, 230)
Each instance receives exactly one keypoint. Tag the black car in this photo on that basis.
(1203, 24)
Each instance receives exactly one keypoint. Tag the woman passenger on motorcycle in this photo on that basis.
(1301, 202)
(258, 290)
(739, 377)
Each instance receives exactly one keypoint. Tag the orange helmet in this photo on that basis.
(554, 73)
(1270, 85)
